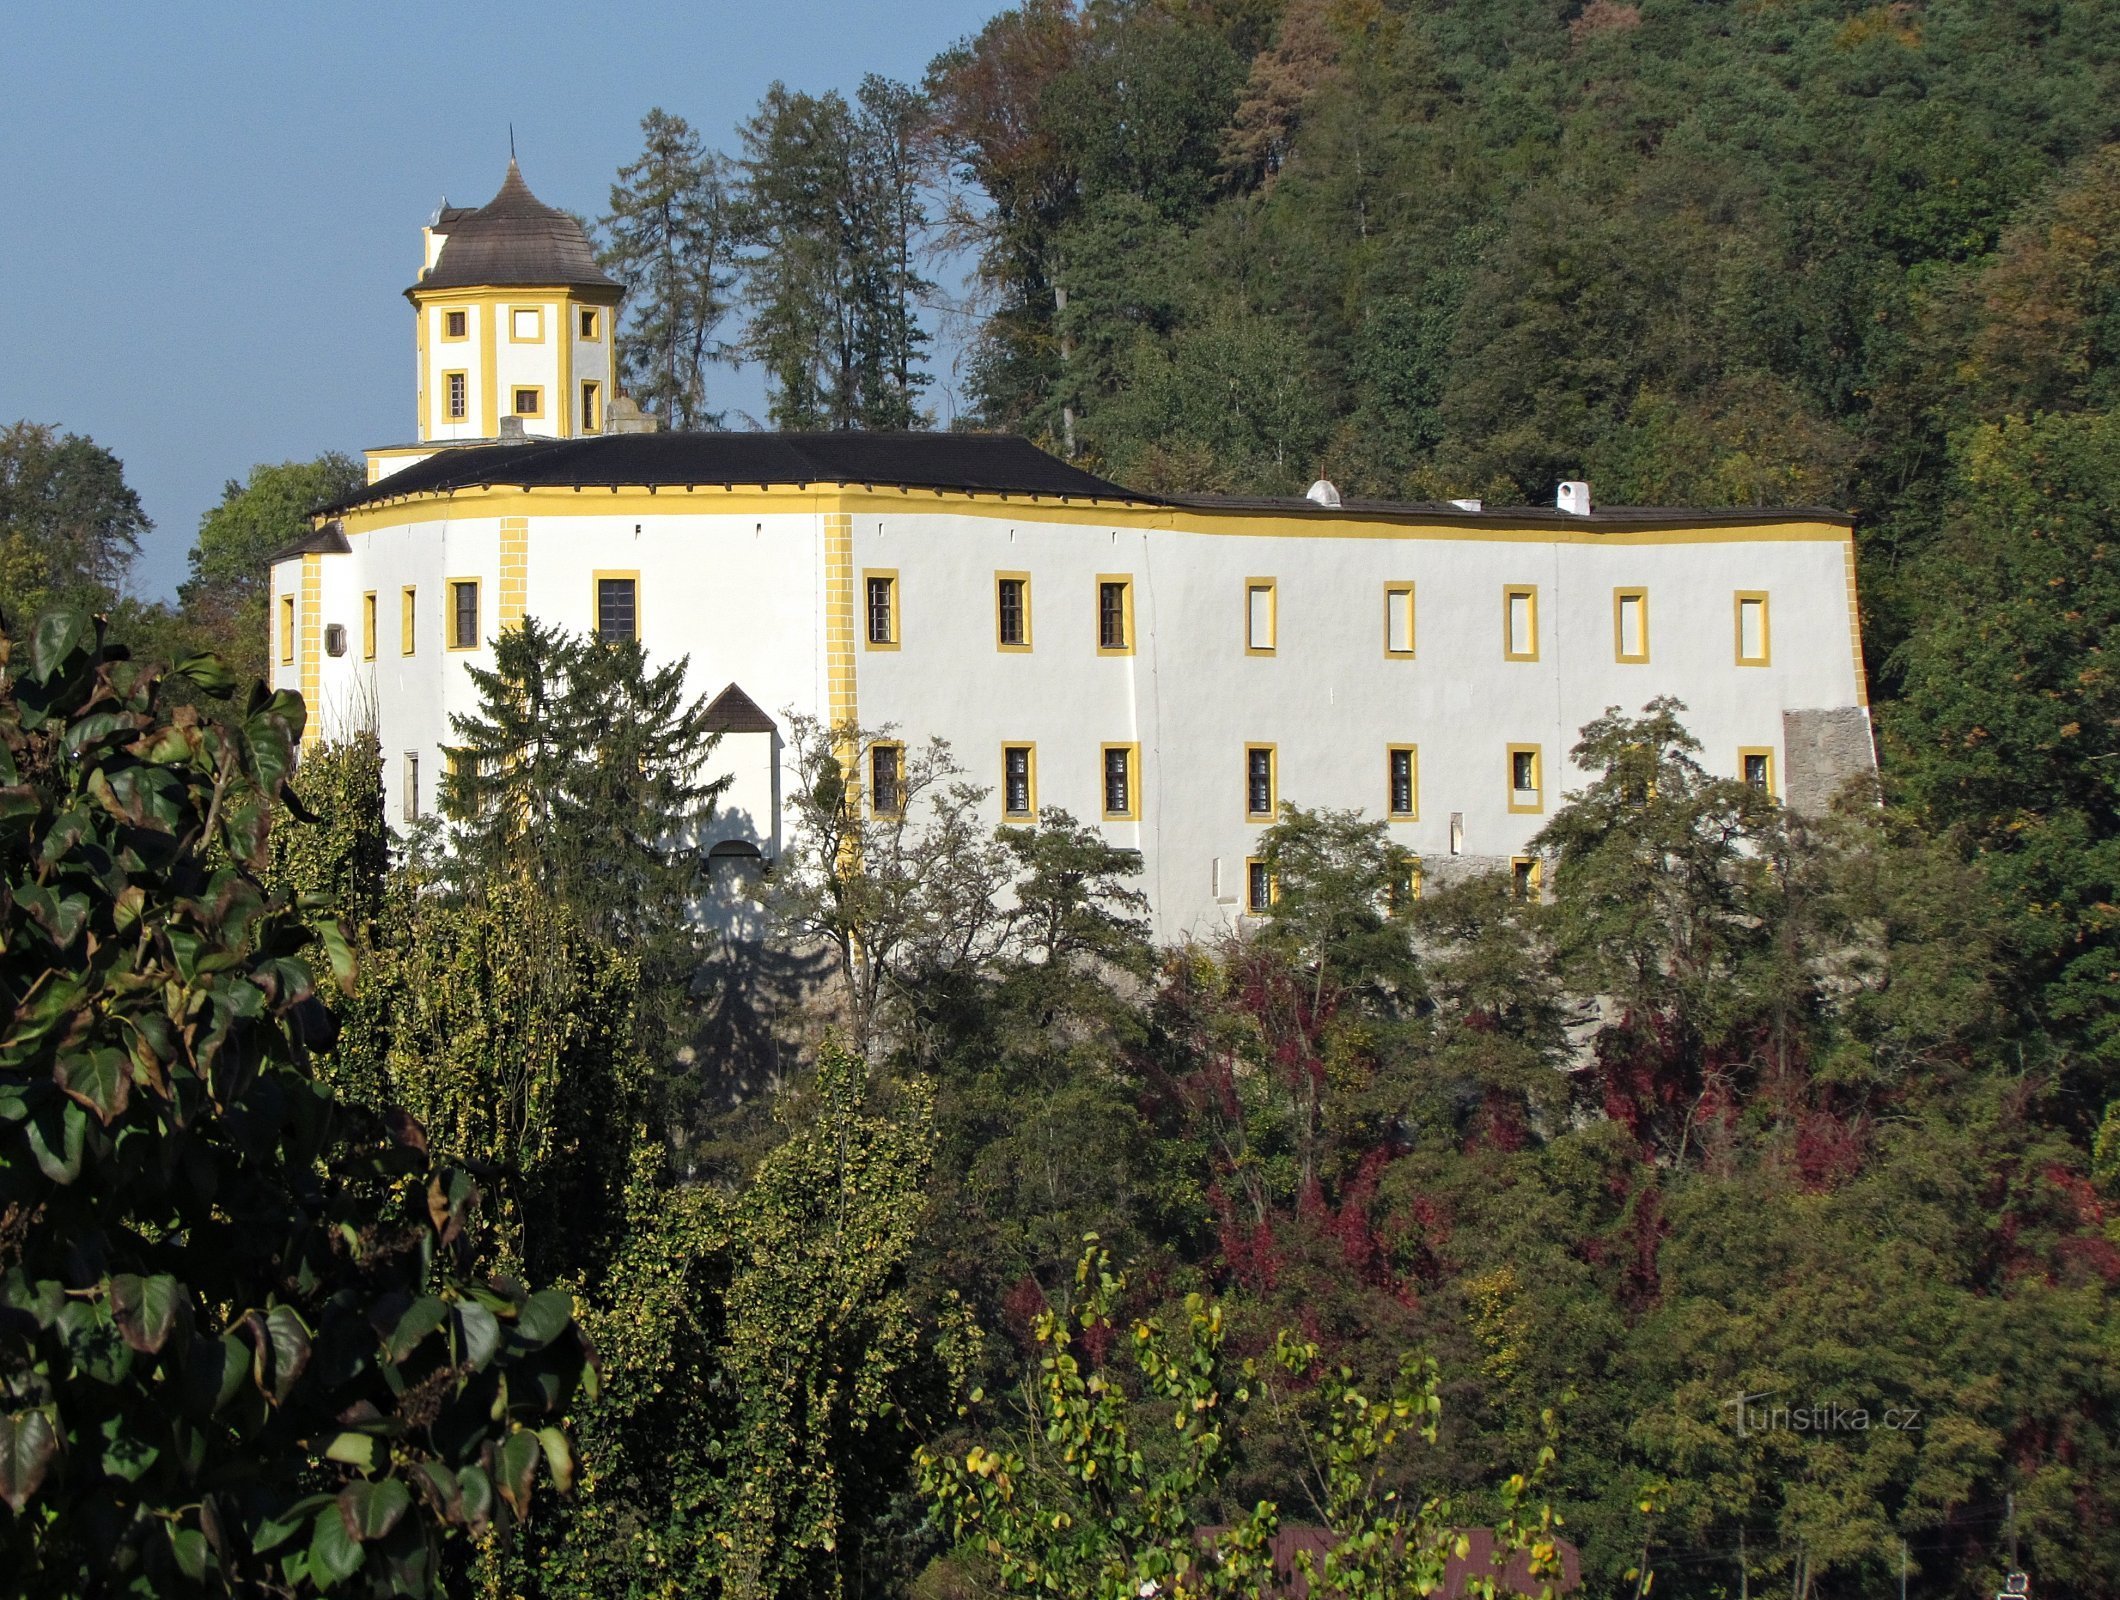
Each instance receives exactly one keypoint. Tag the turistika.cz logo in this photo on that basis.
(1819, 1417)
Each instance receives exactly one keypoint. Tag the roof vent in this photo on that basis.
(512, 431)
(1467, 505)
(1574, 498)
(1322, 493)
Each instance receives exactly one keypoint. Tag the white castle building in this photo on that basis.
(1171, 667)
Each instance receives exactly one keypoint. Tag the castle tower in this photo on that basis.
(514, 319)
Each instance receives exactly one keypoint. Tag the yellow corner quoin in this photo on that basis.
(515, 572)
(840, 621)
(312, 646)
(879, 608)
(1520, 622)
(1262, 616)
(1536, 770)
(1105, 618)
(1400, 619)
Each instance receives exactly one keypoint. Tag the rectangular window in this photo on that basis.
(1261, 616)
(457, 770)
(1260, 784)
(1525, 779)
(1258, 886)
(529, 402)
(408, 639)
(1405, 885)
(1012, 610)
(1524, 877)
(887, 779)
(286, 628)
(1398, 620)
(412, 786)
(1755, 764)
(463, 614)
(1630, 625)
(591, 409)
(880, 609)
(456, 324)
(1403, 774)
(1115, 615)
(1520, 622)
(1019, 782)
(368, 626)
(457, 386)
(526, 325)
(1122, 794)
(588, 324)
(617, 605)
(1754, 647)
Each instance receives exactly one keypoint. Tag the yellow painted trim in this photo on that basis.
(869, 772)
(1396, 594)
(515, 393)
(446, 312)
(408, 620)
(450, 641)
(1538, 774)
(368, 626)
(1533, 875)
(1620, 652)
(515, 310)
(1511, 593)
(1254, 865)
(287, 629)
(1272, 587)
(489, 383)
(1133, 782)
(1738, 602)
(447, 416)
(1030, 748)
(1862, 676)
(855, 500)
(1001, 644)
(1413, 762)
(888, 575)
(422, 385)
(312, 648)
(590, 419)
(1273, 783)
(514, 595)
(615, 574)
(841, 622)
(569, 423)
(1766, 753)
(1125, 580)
(587, 319)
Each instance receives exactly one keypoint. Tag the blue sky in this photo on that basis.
(207, 213)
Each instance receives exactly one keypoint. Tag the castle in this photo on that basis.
(1171, 667)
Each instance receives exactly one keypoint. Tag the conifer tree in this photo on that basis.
(670, 246)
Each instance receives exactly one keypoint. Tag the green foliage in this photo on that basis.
(69, 524)
(230, 579)
(241, 1344)
(671, 243)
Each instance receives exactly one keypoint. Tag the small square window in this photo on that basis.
(526, 325)
(617, 606)
(1260, 797)
(1019, 782)
(529, 402)
(455, 324)
(1525, 779)
(1755, 766)
(880, 609)
(588, 324)
(887, 780)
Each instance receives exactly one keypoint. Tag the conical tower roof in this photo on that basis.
(514, 239)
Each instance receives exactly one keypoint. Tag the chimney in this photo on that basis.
(512, 431)
(1574, 498)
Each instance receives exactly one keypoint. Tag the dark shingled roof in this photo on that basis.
(988, 462)
(515, 238)
(733, 711)
(329, 540)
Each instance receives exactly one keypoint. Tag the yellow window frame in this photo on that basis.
(1511, 593)
(1030, 749)
(597, 580)
(1125, 580)
(888, 575)
(1001, 644)
(408, 620)
(1412, 752)
(1620, 652)
(1273, 781)
(1272, 588)
(1132, 813)
(1396, 595)
(368, 609)
(478, 614)
(1537, 754)
(1738, 602)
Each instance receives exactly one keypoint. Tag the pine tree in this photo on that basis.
(671, 247)
(893, 223)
